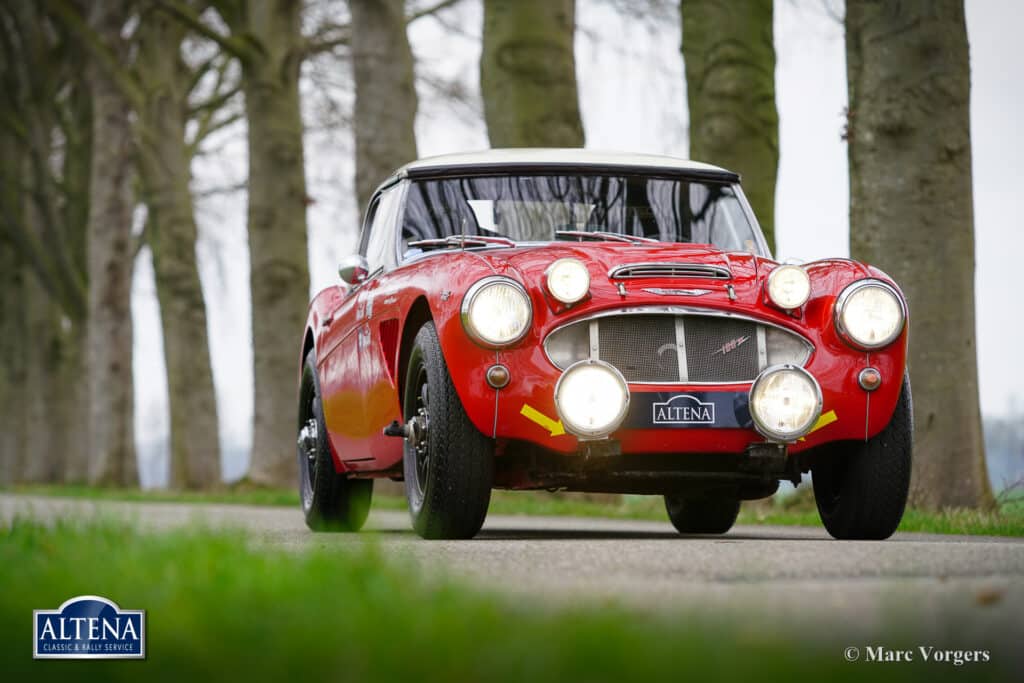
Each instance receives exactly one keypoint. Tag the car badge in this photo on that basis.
(676, 292)
(730, 346)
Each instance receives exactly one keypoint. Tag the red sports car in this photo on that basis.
(564, 319)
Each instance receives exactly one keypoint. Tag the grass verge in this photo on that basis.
(219, 608)
(798, 510)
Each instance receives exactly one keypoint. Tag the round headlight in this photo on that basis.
(568, 280)
(591, 398)
(496, 311)
(869, 314)
(789, 287)
(785, 402)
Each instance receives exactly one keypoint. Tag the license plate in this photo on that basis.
(689, 410)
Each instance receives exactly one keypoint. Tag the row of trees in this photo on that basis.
(82, 148)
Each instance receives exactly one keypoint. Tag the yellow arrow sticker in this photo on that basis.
(534, 415)
(824, 421)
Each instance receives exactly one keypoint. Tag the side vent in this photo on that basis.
(634, 271)
(389, 344)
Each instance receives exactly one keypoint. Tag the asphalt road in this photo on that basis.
(948, 591)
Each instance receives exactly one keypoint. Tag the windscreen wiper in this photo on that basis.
(603, 235)
(462, 241)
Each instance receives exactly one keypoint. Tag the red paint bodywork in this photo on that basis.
(360, 334)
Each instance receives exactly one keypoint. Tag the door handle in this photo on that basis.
(328, 320)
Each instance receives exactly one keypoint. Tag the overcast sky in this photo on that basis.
(632, 96)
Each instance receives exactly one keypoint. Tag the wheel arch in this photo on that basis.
(419, 314)
(307, 344)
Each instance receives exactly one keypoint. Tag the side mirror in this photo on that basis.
(353, 269)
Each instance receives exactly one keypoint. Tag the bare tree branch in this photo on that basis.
(327, 38)
(430, 11)
(66, 13)
(242, 47)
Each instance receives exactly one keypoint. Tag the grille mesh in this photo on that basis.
(720, 350)
(643, 347)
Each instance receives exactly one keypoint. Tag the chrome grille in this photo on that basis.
(669, 348)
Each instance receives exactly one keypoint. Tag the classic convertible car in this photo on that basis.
(568, 320)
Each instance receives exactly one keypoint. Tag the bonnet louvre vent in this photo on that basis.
(633, 271)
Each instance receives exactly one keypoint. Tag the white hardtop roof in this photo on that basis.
(526, 157)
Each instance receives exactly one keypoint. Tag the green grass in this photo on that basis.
(798, 510)
(220, 608)
(239, 494)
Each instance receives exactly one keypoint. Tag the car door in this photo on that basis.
(378, 333)
(344, 340)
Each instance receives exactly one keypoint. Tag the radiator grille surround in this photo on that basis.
(677, 346)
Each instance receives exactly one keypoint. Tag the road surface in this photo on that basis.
(950, 591)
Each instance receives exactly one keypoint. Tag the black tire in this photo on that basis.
(861, 487)
(330, 501)
(702, 515)
(450, 471)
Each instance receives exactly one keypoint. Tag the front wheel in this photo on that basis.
(702, 515)
(448, 464)
(330, 501)
(861, 487)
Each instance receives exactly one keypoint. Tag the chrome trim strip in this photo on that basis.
(762, 349)
(684, 371)
(697, 270)
(595, 341)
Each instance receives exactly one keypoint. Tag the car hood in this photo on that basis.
(530, 261)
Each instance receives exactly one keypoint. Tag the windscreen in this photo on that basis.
(542, 208)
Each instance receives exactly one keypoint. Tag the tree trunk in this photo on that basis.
(109, 337)
(13, 333)
(528, 74)
(385, 106)
(279, 270)
(730, 86)
(52, 397)
(13, 342)
(165, 166)
(912, 215)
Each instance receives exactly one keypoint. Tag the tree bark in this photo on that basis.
(13, 333)
(51, 395)
(165, 167)
(528, 74)
(110, 258)
(385, 105)
(912, 214)
(13, 337)
(279, 261)
(42, 306)
(730, 85)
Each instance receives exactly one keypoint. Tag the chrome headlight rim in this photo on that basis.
(843, 299)
(775, 274)
(566, 261)
(593, 434)
(773, 434)
(474, 291)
